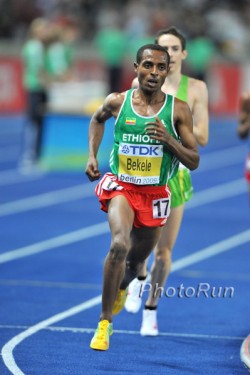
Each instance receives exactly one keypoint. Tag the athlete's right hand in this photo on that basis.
(92, 170)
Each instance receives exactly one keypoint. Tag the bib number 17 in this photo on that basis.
(161, 208)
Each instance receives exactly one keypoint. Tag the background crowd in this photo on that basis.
(94, 42)
(218, 27)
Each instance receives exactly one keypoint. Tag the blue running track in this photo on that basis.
(54, 239)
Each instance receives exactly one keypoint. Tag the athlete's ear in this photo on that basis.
(136, 67)
(184, 54)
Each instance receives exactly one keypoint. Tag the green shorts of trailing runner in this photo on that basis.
(181, 187)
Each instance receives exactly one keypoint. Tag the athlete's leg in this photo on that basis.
(144, 269)
(121, 217)
(143, 240)
(136, 287)
(163, 253)
(160, 270)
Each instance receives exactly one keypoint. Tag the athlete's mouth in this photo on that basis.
(153, 81)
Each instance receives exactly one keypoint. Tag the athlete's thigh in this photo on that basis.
(170, 231)
(143, 240)
(120, 217)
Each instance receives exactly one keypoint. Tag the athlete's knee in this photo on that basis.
(118, 252)
(163, 254)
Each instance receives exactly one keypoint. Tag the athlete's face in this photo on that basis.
(152, 70)
(174, 48)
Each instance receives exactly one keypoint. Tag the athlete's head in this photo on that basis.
(152, 66)
(175, 43)
(172, 31)
(153, 47)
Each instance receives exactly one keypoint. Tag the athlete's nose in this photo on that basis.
(154, 70)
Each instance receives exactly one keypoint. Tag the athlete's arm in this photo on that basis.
(200, 112)
(109, 108)
(244, 116)
(186, 151)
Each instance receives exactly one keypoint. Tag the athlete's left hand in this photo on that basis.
(156, 130)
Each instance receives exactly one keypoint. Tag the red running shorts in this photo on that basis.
(151, 204)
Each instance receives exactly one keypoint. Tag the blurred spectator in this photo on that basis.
(201, 52)
(227, 28)
(47, 58)
(59, 51)
(138, 24)
(136, 20)
(201, 48)
(111, 43)
(217, 31)
(33, 69)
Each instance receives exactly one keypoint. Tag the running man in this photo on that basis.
(244, 129)
(195, 93)
(153, 132)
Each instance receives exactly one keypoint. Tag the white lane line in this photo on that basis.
(219, 247)
(65, 239)
(11, 176)
(209, 161)
(50, 284)
(206, 196)
(217, 193)
(47, 199)
(194, 274)
(213, 194)
(126, 332)
(8, 348)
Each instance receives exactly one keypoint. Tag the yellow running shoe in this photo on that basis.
(100, 340)
(120, 301)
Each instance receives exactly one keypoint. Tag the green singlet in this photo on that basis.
(33, 63)
(181, 184)
(136, 158)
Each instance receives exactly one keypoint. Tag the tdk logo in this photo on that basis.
(140, 150)
(125, 149)
(144, 150)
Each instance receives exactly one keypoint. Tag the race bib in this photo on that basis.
(161, 208)
(139, 163)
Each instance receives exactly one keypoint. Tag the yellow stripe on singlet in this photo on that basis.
(181, 181)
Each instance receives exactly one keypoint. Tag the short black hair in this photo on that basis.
(155, 47)
(173, 31)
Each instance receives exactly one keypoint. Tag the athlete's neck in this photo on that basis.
(172, 83)
(150, 98)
